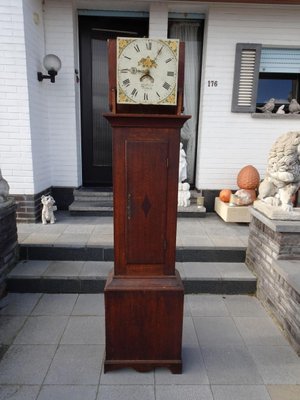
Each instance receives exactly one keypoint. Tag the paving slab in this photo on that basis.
(89, 304)
(230, 365)
(126, 392)
(55, 304)
(68, 392)
(19, 392)
(76, 365)
(64, 269)
(207, 305)
(84, 330)
(244, 306)
(26, 364)
(18, 303)
(42, 330)
(284, 392)
(240, 392)
(9, 328)
(187, 392)
(30, 268)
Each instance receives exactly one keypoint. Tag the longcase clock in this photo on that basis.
(144, 292)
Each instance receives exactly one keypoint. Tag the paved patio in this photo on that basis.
(54, 343)
(210, 231)
(232, 350)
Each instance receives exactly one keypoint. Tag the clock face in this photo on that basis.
(147, 71)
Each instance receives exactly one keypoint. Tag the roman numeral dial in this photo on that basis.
(147, 71)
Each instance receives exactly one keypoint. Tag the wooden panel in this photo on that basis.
(144, 323)
(146, 177)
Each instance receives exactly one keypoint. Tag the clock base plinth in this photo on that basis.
(144, 318)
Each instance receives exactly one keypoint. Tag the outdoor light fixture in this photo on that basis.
(52, 64)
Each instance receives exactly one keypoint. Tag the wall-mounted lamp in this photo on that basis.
(52, 64)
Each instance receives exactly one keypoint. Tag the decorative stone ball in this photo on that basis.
(225, 195)
(248, 178)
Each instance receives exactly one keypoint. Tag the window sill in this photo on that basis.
(275, 116)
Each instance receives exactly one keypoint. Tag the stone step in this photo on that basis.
(36, 276)
(99, 202)
(106, 253)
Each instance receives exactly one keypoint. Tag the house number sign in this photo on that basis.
(212, 83)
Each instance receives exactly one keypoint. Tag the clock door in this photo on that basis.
(146, 176)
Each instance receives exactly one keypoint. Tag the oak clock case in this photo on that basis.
(144, 293)
(147, 71)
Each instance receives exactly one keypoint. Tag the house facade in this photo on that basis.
(53, 137)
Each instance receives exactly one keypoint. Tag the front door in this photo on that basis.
(96, 132)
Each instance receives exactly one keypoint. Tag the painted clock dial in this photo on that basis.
(147, 71)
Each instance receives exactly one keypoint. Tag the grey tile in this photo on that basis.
(207, 305)
(65, 392)
(89, 304)
(226, 240)
(30, 268)
(96, 268)
(41, 238)
(284, 392)
(127, 376)
(259, 331)
(9, 328)
(203, 270)
(72, 239)
(19, 303)
(26, 364)
(217, 331)
(42, 330)
(22, 237)
(234, 270)
(76, 365)
(18, 392)
(193, 370)
(230, 365)
(277, 364)
(196, 241)
(240, 392)
(80, 228)
(126, 392)
(187, 392)
(55, 304)
(84, 330)
(100, 239)
(244, 306)
(189, 336)
(64, 268)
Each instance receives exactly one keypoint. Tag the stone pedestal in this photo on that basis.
(273, 255)
(8, 240)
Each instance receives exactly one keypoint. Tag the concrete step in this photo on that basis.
(99, 202)
(106, 253)
(46, 276)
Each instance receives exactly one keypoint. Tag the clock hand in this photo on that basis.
(158, 53)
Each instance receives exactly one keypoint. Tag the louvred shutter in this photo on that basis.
(247, 60)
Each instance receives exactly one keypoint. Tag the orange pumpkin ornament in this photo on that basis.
(248, 178)
(225, 195)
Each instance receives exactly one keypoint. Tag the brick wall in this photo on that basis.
(8, 240)
(270, 243)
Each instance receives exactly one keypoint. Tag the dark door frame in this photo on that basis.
(89, 27)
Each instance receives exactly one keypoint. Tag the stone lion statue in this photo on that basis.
(282, 179)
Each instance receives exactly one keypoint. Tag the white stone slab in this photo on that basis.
(274, 212)
(232, 213)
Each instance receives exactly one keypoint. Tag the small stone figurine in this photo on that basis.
(4, 189)
(184, 194)
(48, 209)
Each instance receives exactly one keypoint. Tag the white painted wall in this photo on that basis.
(228, 141)
(15, 133)
(60, 39)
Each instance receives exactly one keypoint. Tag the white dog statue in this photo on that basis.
(48, 209)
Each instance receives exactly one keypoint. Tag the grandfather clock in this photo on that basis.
(144, 293)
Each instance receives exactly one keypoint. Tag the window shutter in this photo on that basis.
(247, 60)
